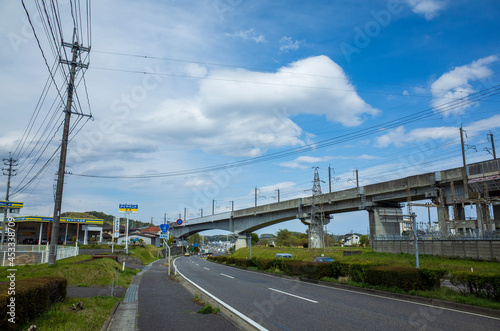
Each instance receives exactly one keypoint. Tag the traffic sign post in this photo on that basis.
(127, 209)
(164, 227)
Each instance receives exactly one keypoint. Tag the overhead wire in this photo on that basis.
(432, 111)
(41, 140)
(268, 70)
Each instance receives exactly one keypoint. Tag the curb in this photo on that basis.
(107, 324)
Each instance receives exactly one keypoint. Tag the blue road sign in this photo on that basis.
(164, 227)
(179, 222)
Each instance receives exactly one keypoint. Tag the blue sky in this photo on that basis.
(176, 86)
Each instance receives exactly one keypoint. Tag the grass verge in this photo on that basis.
(80, 270)
(146, 254)
(61, 317)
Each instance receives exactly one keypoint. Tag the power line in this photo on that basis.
(262, 70)
(433, 111)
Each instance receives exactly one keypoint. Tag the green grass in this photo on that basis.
(369, 255)
(146, 254)
(61, 317)
(98, 272)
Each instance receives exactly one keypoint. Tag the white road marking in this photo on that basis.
(206, 268)
(293, 295)
(227, 276)
(234, 311)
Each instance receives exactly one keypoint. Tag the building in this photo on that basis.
(351, 239)
(37, 229)
(148, 238)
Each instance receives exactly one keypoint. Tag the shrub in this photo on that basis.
(243, 263)
(32, 297)
(263, 264)
(404, 278)
(477, 283)
(230, 260)
(314, 270)
(221, 258)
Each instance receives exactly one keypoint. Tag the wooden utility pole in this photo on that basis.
(76, 50)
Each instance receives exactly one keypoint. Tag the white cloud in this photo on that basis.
(240, 112)
(428, 8)
(288, 44)
(298, 163)
(455, 84)
(249, 34)
(398, 137)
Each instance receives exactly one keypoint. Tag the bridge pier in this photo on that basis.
(316, 233)
(242, 240)
(496, 216)
(384, 221)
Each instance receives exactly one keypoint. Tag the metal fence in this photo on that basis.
(439, 236)
(34, 254)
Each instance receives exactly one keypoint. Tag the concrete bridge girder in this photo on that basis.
(442, 187)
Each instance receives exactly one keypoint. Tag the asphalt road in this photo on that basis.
(284, 304)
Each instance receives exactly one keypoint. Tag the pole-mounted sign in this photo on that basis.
(117, 227)
(124, 208)
(164, 227)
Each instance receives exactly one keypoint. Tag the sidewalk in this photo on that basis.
(155, 302)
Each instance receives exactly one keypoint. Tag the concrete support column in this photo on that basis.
(460, 212)
(40, 234)
(384, 221)
(483, 217)
(442, 213)
(86, 235)
(242, 240)
(496, 216)
(316, 233)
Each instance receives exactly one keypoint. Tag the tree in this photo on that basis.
(194, 239)
(283, 237)
(254, 238)
(363, 240)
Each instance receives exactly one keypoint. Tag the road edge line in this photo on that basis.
(222, 303)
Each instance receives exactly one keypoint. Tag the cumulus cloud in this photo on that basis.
(429, 8)
(242, 113)
(455, 83)
(249, 34)
(399, 137)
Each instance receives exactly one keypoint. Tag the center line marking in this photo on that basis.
(293, 295)
(227, 276)
(206, 268)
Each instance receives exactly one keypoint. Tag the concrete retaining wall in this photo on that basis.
(476, 249)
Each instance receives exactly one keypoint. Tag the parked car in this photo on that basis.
(324, 259)
(283, 256)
